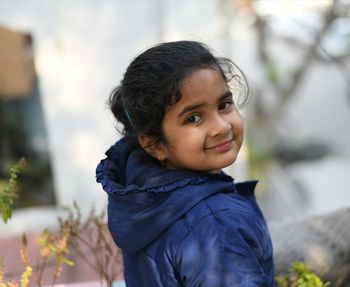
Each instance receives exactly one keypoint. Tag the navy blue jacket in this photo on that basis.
(183, 228)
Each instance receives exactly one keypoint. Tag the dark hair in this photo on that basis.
(153, 80)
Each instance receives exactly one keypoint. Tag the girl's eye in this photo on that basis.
(226, 105)
(193, 119)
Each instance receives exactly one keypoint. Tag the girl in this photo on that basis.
(178, 218)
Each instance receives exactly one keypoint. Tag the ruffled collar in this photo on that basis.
(145, 198)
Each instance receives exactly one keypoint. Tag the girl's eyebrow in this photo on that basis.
(190, 108)
(227, 94)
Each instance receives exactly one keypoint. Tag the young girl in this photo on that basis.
(178, 218)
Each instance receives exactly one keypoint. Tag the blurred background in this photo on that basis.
(59, 60)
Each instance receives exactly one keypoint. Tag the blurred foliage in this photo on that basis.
(26, 274)
(300, 276)
(53, 249)
(53, 246)
(35, 187)
(9, 192)
(89, 239)
(282, 85)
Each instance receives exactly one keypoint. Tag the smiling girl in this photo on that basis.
(178, 218)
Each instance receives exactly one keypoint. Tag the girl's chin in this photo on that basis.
(210, 165)
(219, 167)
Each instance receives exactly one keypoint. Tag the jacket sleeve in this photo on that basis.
(222, 250)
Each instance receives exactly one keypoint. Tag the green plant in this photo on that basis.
(88, 238)
(53, 247)
(300, 276)
(26, 274)
(8, 194)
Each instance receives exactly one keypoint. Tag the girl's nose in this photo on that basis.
(219, 126)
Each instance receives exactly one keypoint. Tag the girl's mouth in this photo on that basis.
(221, 147)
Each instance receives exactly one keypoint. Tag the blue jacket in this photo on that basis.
(183, 228)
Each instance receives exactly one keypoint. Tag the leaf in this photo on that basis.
(300, 275)
(52, 247)
(68, 262)
(9, 192)
(6, 213)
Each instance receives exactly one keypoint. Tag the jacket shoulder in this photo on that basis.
(232, 205)
(228, 233)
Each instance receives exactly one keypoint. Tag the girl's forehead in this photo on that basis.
(202, 88)
(202, 80)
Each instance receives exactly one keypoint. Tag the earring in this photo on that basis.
(162, 162)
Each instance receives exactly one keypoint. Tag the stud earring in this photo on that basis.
(162, 162)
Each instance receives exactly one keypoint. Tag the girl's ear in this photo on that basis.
(152, 146)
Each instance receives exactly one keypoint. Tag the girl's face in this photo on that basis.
(204, 130)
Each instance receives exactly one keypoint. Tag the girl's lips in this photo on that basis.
(221, 147)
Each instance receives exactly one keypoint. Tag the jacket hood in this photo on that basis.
(145, 198)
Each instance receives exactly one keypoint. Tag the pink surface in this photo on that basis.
(13, 267)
